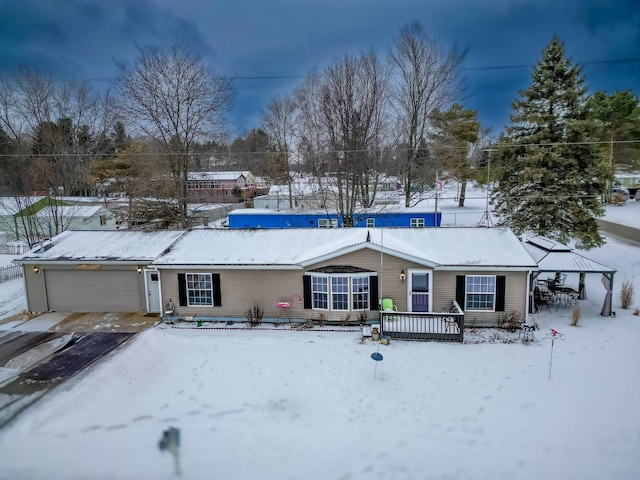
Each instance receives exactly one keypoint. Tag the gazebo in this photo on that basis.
(554, 257)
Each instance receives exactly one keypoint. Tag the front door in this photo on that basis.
(152, 282)
(419, 291)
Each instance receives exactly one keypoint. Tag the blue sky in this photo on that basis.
(83, 39)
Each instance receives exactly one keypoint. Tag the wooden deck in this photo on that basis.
(442, 326)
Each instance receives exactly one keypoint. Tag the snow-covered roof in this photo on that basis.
(71, 211)
(112, 245)
(12, 205)
(297, 248)
(552, 256)
(296, 190)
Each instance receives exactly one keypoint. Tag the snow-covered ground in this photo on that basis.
(313, 404)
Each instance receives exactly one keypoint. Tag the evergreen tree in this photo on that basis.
(454, 132)
(617, 121)
(551, 176)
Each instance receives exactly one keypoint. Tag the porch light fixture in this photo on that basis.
(36, 269)
(402, 276)
(139, 269)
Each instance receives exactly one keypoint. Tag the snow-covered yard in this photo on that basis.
(283, 404)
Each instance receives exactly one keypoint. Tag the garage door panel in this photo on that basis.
(93, 291)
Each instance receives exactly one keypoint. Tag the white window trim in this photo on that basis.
(417, 222)
(328, 223)
(327, 293)
(371, 222)
(186, 279)
(410, 286)
(495, 286)
(350, 292)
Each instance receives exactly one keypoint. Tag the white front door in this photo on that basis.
(152, 282)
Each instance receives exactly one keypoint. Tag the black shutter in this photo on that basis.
(217, 294)
(460, 288)
(306, 291)
(373, 293)
(500, 287)
(182, 289)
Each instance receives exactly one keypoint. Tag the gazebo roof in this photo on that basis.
(552, 256)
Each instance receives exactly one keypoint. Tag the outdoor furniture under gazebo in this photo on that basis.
(556, 259)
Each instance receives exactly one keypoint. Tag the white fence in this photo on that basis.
(9, 249)
(10, 272)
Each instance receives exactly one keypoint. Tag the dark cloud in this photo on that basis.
(288, 38)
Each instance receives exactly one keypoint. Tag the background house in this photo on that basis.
(630, 181)
(30, 219)
(265, 218)
(223, 187)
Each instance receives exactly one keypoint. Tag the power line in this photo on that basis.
(293, 77)
(591, 62)
(269, 152)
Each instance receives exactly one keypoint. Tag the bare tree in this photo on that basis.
(427, 80)
(67, 121)
(60, 124)
(353, 107)
(278, 121)
(311, 137)
(174, 99)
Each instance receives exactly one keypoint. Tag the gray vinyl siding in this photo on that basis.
(68, 289)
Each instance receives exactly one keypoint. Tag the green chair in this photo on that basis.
(388, 306)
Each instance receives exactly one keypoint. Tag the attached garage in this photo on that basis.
(86, 271)
(95, 290)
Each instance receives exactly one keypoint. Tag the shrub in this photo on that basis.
(510, 321)
(626, 294)
(254, 315)
(618, 199)
(575, 316)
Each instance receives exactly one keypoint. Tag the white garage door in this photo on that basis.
(93, 291)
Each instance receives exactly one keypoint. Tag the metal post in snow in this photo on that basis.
(171, 441)
(378, 358)
(554, 334)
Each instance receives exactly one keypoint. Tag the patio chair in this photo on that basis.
(388, 306)
(542, 298)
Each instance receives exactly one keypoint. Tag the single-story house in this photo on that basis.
(78, 217)
(223, 187)
(324, 275)
(29, 218)
(265, 218)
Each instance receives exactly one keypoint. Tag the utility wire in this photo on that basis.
(269, 152)
(293, 77)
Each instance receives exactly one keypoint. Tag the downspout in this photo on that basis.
(529, 293)
(44, 289)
